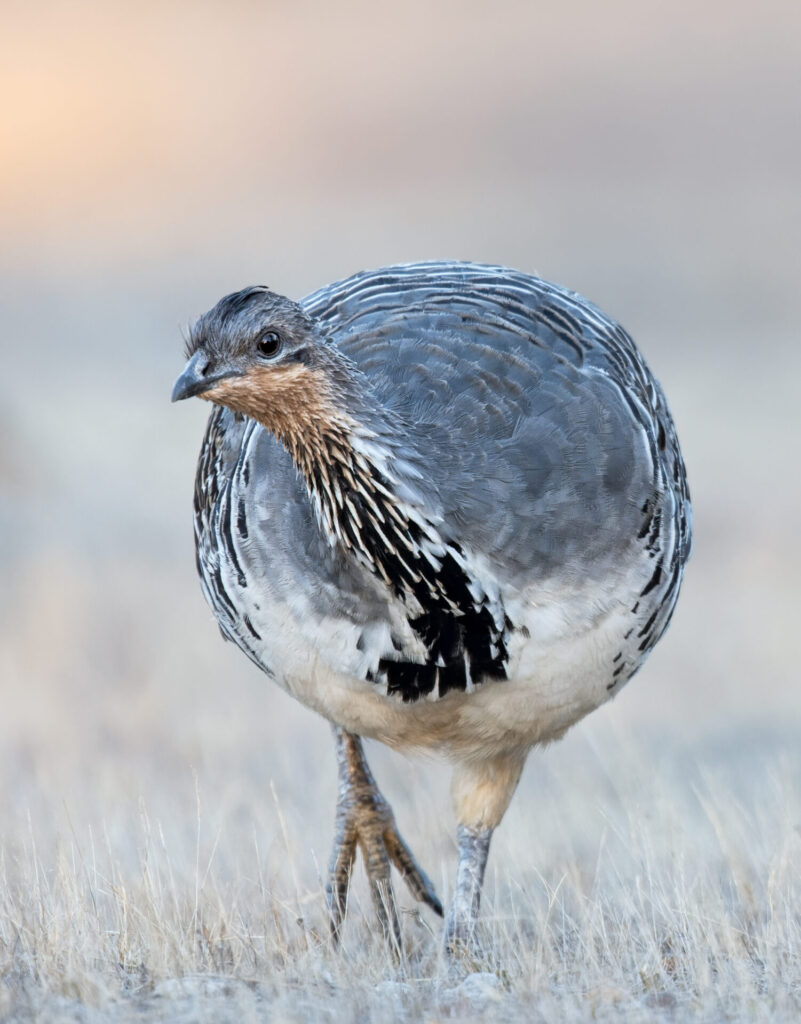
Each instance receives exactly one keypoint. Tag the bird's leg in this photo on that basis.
(364, 819)
(481, 793)
(473, 844)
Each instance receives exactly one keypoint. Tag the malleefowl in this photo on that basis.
(444, 505)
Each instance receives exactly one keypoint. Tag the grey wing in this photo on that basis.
(537, 411)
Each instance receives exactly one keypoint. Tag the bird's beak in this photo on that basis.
(193, 380)
(196, 379)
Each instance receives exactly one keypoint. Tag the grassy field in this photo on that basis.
(164, 834)
(631, 877)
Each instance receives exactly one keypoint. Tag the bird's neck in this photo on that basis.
(363, 472)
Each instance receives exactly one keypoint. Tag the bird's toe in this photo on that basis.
(366, 822)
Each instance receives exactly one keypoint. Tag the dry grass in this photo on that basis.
(680, 904)
(162, 852)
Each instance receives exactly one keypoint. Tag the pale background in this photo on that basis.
(155, 156)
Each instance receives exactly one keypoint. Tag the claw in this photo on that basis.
(365, 820)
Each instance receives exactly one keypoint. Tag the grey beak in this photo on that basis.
(193, 380)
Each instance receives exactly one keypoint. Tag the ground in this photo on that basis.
(162, 860)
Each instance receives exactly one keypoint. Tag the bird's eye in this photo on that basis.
(269, 344)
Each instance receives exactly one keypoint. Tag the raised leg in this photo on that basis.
(365, 820)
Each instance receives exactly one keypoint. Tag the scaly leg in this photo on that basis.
(462, 918)
(365, 819)
(481, 792)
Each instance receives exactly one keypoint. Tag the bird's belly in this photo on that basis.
(570, 652)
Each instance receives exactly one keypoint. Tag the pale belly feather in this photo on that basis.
(562, 660)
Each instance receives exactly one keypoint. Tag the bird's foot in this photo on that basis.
(365, 820)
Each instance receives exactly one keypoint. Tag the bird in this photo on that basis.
(442, 504)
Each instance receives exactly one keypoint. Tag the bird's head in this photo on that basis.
(259, 354)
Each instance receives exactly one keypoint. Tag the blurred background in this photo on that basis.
(156, 156)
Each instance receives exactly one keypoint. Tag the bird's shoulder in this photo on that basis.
(449, 315)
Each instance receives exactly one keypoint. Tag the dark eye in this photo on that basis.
(269, 344)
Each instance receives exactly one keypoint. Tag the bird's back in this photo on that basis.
(545, 431)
